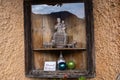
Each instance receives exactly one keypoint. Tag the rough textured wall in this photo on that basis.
(107, 39)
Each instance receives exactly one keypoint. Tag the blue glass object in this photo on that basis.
(62, 66)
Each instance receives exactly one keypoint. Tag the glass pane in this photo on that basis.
(73, 8)
(62, 27)
(45, 21)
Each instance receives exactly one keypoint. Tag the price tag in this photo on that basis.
(50, 66)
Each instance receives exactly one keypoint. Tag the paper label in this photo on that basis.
(50, 66)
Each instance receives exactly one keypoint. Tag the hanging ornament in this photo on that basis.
(70, 64)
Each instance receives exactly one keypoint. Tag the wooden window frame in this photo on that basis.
(89, 34)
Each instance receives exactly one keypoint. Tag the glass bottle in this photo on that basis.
(61, 62)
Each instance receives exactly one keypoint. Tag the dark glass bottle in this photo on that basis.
(61, 62)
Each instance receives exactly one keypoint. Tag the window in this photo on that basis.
(58, 27)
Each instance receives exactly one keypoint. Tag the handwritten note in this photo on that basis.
(50, 66)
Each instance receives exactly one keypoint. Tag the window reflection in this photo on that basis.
(74, 8)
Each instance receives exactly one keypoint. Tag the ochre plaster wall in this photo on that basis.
(107, 39)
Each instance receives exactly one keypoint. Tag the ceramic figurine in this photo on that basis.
(60, 36)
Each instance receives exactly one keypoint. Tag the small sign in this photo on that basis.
(50, 66)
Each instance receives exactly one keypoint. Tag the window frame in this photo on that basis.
(89, 34)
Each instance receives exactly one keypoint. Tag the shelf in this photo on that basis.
(62, 49)
(57, 74)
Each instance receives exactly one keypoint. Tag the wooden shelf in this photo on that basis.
(62, 49)
(57, 74)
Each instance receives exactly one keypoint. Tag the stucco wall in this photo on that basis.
(107, 39)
